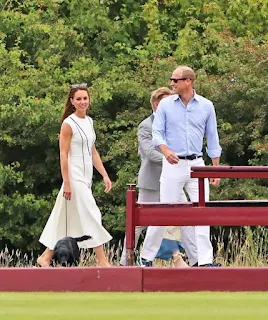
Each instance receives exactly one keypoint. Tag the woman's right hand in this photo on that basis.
(67, 191)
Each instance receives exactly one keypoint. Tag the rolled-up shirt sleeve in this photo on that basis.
(158, 129)
(213, 146)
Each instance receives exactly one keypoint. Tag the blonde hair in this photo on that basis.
(158, 94)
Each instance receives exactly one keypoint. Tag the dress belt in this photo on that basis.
(192, 157)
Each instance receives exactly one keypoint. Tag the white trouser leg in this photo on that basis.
(172, 182)
(196, 240)
(154, 234)
(202, 233)
(145, 195)
(152, 242)
(138, 231)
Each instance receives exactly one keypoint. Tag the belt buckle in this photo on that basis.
(193, 157)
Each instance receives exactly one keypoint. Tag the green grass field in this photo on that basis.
(130, 306)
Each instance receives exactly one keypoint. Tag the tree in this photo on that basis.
(124, 49)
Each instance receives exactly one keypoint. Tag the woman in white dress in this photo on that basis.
(75, 212)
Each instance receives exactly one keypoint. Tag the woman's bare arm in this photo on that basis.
(65, 140)
(97, 163)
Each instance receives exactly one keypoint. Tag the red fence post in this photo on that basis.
(201, 192)
(130, 224)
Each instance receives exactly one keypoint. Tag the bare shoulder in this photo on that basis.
(66, 129)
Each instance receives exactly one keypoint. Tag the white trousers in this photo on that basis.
(154, 234)
(145, 195)
(196, 239)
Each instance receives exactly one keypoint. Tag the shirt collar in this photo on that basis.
(196, 96)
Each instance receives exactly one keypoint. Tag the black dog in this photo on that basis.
(66, 251)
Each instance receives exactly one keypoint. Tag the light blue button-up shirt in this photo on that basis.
(182, 129)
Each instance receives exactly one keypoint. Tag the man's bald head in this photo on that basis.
(185, 72)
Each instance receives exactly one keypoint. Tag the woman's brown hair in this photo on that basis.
(69, 108)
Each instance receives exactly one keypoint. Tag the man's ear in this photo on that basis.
(155, 104)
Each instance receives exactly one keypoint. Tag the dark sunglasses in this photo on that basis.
(177, 79)
(78, 85)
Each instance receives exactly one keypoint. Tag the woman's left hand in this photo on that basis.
(108, 183)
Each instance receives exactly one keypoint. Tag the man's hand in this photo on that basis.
(171, 156)
(215, 181)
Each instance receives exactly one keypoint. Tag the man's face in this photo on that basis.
(178, 82)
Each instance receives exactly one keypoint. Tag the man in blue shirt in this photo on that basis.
(182, 121)
(148, 178)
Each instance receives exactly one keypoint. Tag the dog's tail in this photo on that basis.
(83, 238)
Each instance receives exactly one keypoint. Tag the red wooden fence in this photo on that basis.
(161, 279)
(213, 213)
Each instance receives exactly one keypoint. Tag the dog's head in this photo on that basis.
(63, 256)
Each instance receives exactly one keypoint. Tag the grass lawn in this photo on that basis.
(130, 306)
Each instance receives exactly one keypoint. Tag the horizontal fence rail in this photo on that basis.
(132, 279)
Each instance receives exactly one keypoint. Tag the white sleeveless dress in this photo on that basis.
(79, 216)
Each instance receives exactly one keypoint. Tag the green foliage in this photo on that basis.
(248, 17)
(124, 49)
